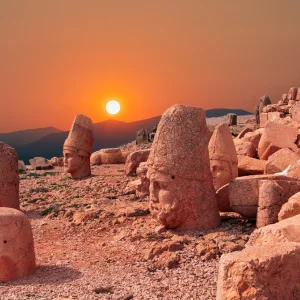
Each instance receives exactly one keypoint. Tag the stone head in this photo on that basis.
(292, 93)
(77, 148)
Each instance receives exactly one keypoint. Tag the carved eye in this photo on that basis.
(5, 242)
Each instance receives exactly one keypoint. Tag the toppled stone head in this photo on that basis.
(292, 93)
(17, 258)
(77, 148)
(181, 186)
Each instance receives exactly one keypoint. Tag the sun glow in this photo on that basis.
(113, 107)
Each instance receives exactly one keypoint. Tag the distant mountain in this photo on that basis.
(22, 137)
(107, 134)
(219, 112)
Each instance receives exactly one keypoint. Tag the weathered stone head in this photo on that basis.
(17, 258)
(9, 177)
(181, 187)
(223, 157)
(78, 148)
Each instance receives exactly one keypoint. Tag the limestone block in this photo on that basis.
(134, 159)
(244, 148)
(263, 119)
(250, 166)
(291, 208)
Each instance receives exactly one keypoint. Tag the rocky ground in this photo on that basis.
(94, 241)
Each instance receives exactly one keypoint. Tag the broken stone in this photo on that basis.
(134, 159)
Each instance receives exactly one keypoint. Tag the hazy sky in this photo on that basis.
(59, 58)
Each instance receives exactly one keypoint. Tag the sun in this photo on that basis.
(112, 107)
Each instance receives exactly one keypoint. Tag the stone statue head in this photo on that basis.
(181, 188)
(292, 93)
(78, 148)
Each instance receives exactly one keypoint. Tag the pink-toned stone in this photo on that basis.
(244, 192)
(295, 112)
(111, 156)
(254, 137)
(141, 172)
(244, 148)
(40, 163)
(9, 177)
(134, 159)
(222, 196)
(263, 119)
(124, 156)
(17, 258)
(250, 166)
(291, 208)
(292, 94)
(21, 165)
(298, 94)
(272, 195)
(292, 171)
(262, 272)
(223, 156)
(280, 160)
(95, 158)
(243, 132)
(287, 230)
(275, 115)
(181, 185)
(57, 161)
(278, 136)
(78, 148)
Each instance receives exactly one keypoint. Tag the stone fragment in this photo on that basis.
(181, 186)
(134, 159)
(298, 94)
(222, 196)
(244, 193)
(250, 166)
(223, 156)
(78, 148)
(40, 163)
(21, 166)
(263, 118)
(143, 188)
(292, 94)
(142, 136)
(244, 148)
(207, 250)
(272, 116)
(280, 160)
(272, 195)
(124, 156)
(278, 136)
(231, 119)
(17, 258)
(253, 137)
(95, 158)
(295, 112)
(9, 177)
(292, 171)
(262, 272)
(243, 132)
(291, 208)
(111, 156)
(287, 230)
(57, 161)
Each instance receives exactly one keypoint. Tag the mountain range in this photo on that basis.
(47, 142)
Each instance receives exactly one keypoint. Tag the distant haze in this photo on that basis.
(60, 58)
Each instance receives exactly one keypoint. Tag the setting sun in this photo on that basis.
(113, 107)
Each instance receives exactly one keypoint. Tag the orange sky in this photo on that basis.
(59, 58)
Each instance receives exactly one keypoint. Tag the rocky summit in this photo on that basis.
(191, 214)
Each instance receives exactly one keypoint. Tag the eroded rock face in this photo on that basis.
(290, 208)
(280, 160)
(17, 258)
(250, 166)
(95, 158)
(78, 148)
(292, 93)
(222, 156)
(276, 136)
(272, 195)
(57, 161)
(181, 186)
(141, 172)
(284, 231)
(222, 196)
(292, 171)
(261, 272)
(134, 159)
(9, 177)
(244, 148)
